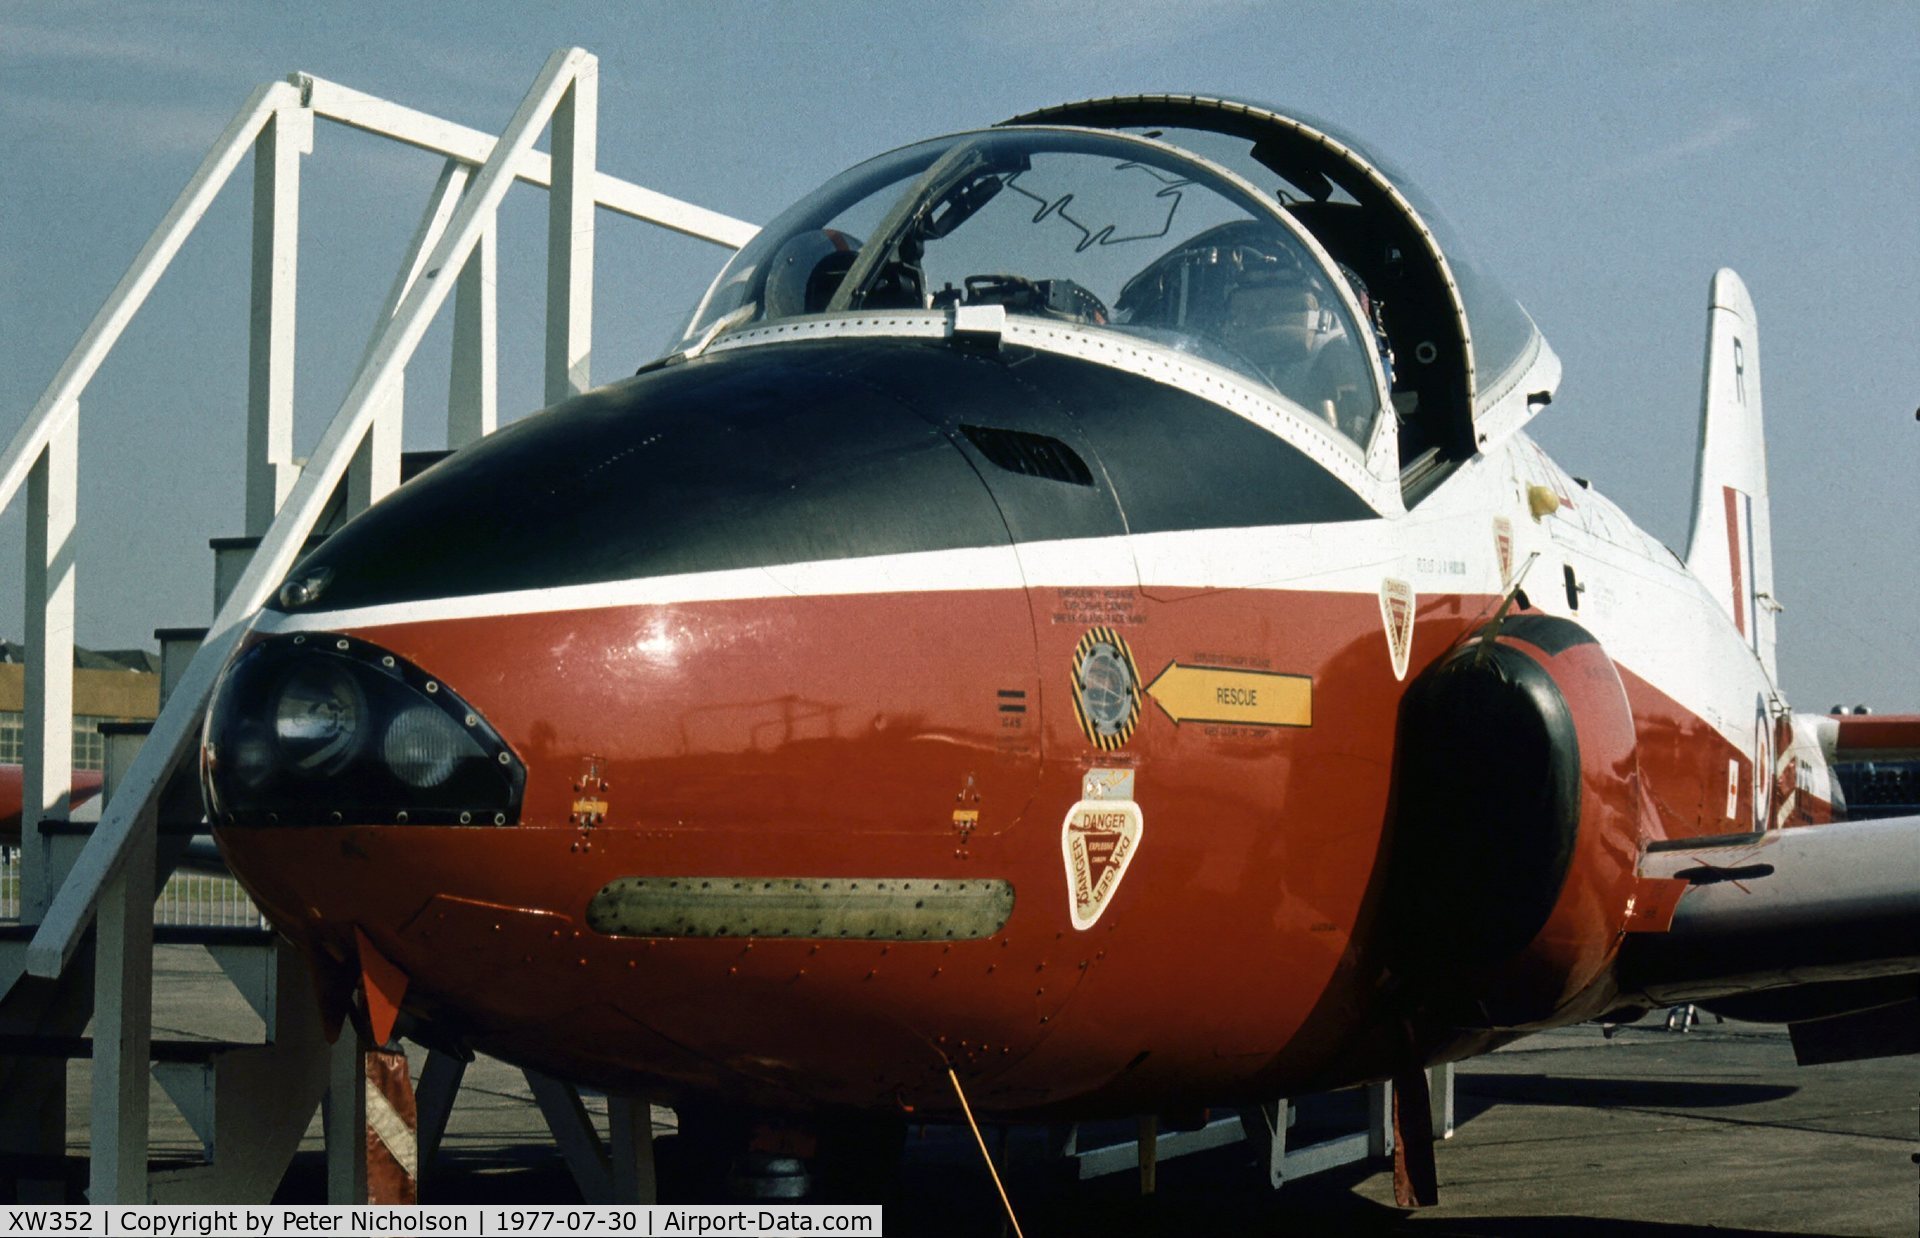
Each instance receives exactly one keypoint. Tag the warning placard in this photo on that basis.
(1098, 841)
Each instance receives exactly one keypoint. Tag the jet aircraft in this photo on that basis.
(1076, 625)
(85, 785)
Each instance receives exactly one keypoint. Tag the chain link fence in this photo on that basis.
(189, 898)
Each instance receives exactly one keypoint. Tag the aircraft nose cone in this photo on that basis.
(811, 453)
(729, 616)
(787, 455)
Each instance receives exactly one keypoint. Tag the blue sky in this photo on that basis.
(1603, 159)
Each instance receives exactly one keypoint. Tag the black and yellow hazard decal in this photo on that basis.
(1106, 688)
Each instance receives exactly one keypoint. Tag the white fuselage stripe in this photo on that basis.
(1292, 557)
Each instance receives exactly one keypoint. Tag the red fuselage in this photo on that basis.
(878, 729)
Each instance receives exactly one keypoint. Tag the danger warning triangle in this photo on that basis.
(1098, 841)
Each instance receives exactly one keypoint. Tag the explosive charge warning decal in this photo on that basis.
(1396, 615)
(1503, 549)
(1106, 688)
(1098, 840)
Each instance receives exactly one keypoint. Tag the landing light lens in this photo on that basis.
(328, 732)
(317, 717)
(249, 756)
(424, 745)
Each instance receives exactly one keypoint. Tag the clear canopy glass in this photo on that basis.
(1101, 230)
(1503, 334)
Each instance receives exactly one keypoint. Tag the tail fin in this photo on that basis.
(1731, 546)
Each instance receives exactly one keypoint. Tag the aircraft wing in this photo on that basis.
(1875, 761)
(1875, 737)
(1816, 926)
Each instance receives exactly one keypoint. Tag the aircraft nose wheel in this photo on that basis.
(732, 1156)
(758, 1177)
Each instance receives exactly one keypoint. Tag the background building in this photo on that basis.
(113, 685)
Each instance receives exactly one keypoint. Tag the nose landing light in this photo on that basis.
(317, 729)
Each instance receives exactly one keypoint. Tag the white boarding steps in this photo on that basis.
(246, 1144)
(217, 1085)
(83, 952)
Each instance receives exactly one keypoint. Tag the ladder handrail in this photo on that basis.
(63, 394)
(355, 110)
(349, 107)
(73, 907)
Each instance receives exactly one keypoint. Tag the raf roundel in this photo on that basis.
(1106, 688)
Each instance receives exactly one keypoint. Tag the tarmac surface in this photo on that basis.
(1652, 1132)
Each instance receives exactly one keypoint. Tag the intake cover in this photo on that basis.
(1515, 802)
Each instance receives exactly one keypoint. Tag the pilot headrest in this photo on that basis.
(806, 271)
(1196, 279)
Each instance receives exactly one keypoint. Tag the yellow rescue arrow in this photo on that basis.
(1243, 698)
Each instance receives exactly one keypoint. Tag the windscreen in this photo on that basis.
(1098, 230)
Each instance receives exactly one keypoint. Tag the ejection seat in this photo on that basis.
(1372, 220)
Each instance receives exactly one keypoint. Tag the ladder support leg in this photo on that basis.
(123, 1026)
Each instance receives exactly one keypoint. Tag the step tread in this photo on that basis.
(61, 826)
(169, 1049)
(253, 543)
(173, 934)
(53, 1166)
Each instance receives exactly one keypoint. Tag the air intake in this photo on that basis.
(1034, 455)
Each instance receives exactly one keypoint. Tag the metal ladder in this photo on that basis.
(83, 949)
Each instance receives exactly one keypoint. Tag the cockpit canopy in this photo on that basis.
(1258, 242)
(1102, 230)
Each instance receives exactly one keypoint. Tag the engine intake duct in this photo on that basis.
(1517, 826)
(1488, 810)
